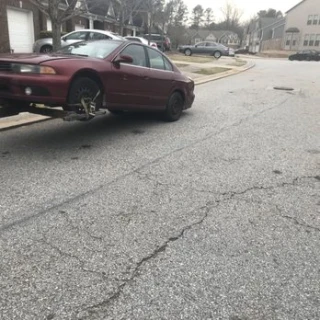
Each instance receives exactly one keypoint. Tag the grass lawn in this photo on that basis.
(237, 63)
(209, 71)
(181, 65)
(180, 57)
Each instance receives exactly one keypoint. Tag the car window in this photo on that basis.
(80, 35)
(167, 64)
(201, 44)
(96, 49)
(157, 60)
(137, 53)
(134, 39)
(98, 36)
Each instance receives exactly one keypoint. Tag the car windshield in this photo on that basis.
(96, 49)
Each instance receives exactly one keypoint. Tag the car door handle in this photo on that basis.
(146, 78)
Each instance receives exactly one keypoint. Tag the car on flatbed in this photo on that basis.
(88, 77)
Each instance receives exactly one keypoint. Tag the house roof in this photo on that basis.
(205, 33)
(292, 30)
(298, 4)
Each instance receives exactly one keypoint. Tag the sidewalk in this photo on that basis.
(189, 69)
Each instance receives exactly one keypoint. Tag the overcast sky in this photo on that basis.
(249, 7)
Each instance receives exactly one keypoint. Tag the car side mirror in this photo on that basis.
(123, 59)
(196, 46)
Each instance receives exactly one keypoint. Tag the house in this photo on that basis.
(227, 38)
(264, 32)
(302, 28)
(21, 23)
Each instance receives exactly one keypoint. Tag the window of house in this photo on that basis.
(315, 19)
(310, 18)
(312, 39)
(317, 43)
(288, 41)
(306, 40)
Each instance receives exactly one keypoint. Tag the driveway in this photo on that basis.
(212, 217)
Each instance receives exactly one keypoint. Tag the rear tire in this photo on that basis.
(217, 54)
(174, 107)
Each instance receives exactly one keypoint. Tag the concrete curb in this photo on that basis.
(28, 119)
(221, 75)
(21, 120)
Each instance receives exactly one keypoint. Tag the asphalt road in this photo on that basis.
(212, 217)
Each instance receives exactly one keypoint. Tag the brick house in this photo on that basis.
(21, 23)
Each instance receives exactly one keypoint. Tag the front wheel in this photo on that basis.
(84, 88)
(174, 107)
(217, 54)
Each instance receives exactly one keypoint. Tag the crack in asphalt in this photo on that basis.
(135, 273)
(95, 308)
(120, 177)
(301, 223)
(44, 240)
(79, 230)
(162, 248)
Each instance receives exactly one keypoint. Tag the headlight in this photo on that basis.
(32, 68)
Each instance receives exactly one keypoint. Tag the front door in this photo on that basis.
(127, 83)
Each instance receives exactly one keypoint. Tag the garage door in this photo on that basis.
(20, 25)
(79, 27)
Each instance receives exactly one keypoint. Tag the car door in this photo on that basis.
(212, 47)
(200, 48)
(160, 81)
(128, 83)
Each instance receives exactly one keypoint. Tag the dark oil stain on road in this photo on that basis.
(277, 171)
(86, 146)
(138, 131)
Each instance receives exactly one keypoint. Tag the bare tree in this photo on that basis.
(154, 10)
(127, 11)
(60, 11)
(208, 17)
(197, 16)
(231, 14)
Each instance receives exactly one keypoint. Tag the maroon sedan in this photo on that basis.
(88, 76)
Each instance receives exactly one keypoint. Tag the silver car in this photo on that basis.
(141, 40)
(45, 45)
(208, 48)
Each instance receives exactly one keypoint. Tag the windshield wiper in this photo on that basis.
(76, 54)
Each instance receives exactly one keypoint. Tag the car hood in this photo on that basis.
(35, 58)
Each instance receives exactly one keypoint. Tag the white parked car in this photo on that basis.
(141, 40)
(45, 45)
